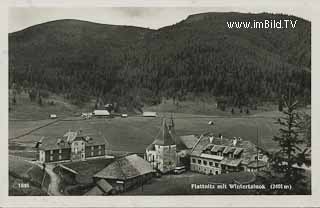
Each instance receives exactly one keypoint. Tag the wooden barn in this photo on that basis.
(125, 173)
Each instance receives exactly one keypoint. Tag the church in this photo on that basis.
(168, 150)
(162, 152)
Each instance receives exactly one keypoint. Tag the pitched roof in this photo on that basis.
(128, 167)
(166, 138)
(247, 148)
(51, 143)
(189, 140)
(104, 185)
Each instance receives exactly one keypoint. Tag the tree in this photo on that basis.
(285, 161)
(305, 128)
(280, 105)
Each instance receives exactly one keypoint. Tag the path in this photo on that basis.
(53, 188)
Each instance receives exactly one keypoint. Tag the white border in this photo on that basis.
(308, 9)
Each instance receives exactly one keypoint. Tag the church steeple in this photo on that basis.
(171, 125)
(166, 138)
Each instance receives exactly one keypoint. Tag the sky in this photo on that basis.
(149, 17)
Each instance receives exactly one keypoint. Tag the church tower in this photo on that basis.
(162, 152)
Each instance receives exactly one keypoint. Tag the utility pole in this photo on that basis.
(257, 147)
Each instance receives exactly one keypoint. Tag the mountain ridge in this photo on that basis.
(75, 57)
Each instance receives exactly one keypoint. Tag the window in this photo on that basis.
(205, 162)
(193, 160)
(210, 163)
(199, 161)
(216, 164)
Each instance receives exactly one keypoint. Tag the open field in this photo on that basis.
(136, 133)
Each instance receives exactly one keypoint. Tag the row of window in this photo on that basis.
(229, 155)
(60, 157)
(60, 150)
(205, 170)
(205, 162)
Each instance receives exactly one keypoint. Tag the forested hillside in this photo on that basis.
(132, 66)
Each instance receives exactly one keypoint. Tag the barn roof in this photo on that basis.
(128, 167)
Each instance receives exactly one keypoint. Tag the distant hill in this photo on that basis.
(132, 65)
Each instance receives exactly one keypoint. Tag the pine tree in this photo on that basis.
(285, 161)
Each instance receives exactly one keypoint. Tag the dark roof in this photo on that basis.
(50, 143)
(166, 138)
(200, 146)
(189, 140)
(128, 167)
(104, 185)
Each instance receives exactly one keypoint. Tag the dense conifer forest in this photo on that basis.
(198, 56)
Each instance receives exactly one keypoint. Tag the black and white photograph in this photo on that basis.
(158, 101)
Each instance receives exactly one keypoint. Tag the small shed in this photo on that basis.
(53, 116)
(149, 114)
(101, 113)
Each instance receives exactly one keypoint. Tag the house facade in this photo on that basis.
(73, 146)
(213, 156)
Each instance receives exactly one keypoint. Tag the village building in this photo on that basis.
(217, 155)
(162, 153)
(149, 114)
(168, 150)
(125, 173)
(72, 146)
(101, 113)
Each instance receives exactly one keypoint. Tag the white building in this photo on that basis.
(149, 114)
(101, 113)
(162, 153)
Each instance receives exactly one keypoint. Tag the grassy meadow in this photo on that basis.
(134, 134)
